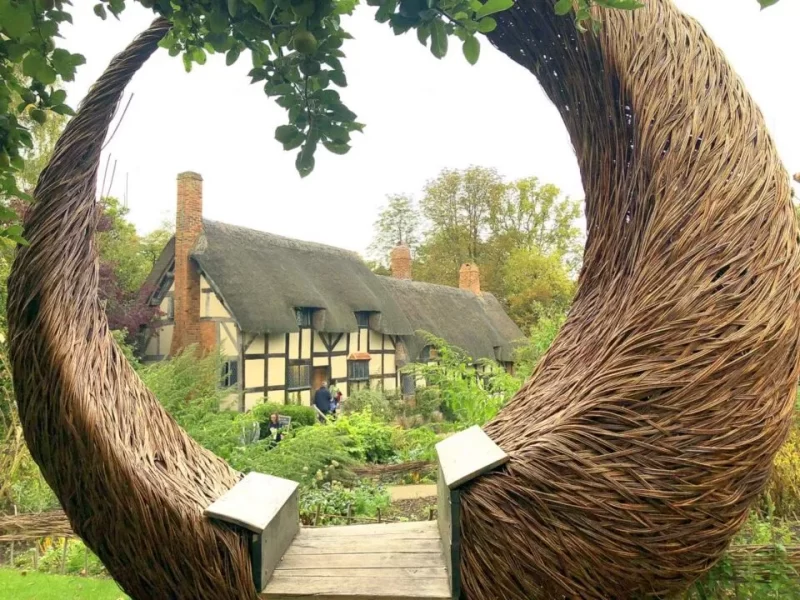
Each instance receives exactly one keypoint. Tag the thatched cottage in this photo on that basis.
(288, 315)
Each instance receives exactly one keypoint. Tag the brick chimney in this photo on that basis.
(188, 227)
(469, 278)
(400, 261)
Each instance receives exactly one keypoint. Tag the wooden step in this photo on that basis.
(396, 561)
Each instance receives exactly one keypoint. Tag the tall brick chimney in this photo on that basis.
(188, 227)
(400, 261)
(469, 278)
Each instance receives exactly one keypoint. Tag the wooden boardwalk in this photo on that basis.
(395, 561)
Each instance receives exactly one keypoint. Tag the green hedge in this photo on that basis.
(302, 416)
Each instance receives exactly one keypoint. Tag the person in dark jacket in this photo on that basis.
(322, 399)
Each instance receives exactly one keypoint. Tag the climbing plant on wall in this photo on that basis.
(295, 47)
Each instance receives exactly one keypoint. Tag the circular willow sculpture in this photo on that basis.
(644, 434)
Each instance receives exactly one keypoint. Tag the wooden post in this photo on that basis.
(349, 513)
(12, 554)
(85, 559)
(316, 516)
(430, 514)
(35, 555)
(379, 515)
(64, 556)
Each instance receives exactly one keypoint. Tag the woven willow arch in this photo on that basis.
(644, 434)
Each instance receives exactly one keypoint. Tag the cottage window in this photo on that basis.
(298, 375)
(303, 317)
(358, 370)
(230, 373)
(362, 317)
(171, 308)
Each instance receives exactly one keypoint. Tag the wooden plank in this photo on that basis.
(423, 572)
(416, 527)
(378, 560)
(467, 455)
(409, 537)
(319, 588)
(254, 501)
(363, 545)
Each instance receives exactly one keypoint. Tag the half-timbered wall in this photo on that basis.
(284, 368)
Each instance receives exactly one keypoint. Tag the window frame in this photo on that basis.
(229, 377)
(297, 364)
(303, 316)
(350, 370)
(362, 319)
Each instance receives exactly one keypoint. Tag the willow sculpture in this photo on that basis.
(642, 437)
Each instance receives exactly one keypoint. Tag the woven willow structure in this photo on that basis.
(131, 481)
(650, 426)
(642, 437)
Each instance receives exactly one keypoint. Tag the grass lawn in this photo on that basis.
(41, 586)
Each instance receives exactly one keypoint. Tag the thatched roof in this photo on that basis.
(264, 277)
(476, 324)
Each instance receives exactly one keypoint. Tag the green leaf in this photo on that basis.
(58, 97)
(438, 39)
(100, 11)
(487, 25)
(472, 49)
(233, 7)
(199, 56)
(187, 62)
(285, 133)
(563, 7)
(767, 3)
(16, 19)
(337, 148)
(305, 161)
(493, 6)
(295, 142)
(63, 109)
(36, 66)
(423, 33)
(338, 77)
(232, 56)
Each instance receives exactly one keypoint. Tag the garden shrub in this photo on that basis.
(417, 444)
(373, 440)
(469, 394)
(333, 498)
(376, 401)
(318, 453)
(302, 416)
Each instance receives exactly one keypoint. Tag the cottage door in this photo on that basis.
(318, 377)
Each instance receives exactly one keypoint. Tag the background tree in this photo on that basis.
(535, 286)
(398, 221)
(523, 234)
(126, 259)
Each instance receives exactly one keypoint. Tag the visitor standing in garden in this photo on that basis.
(322, 399)
(275, 429)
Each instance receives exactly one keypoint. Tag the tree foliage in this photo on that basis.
(295, 47)
(126, 259)
(398, 222)
(524, 236)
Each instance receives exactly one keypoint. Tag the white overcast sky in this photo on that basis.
(422, 115)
